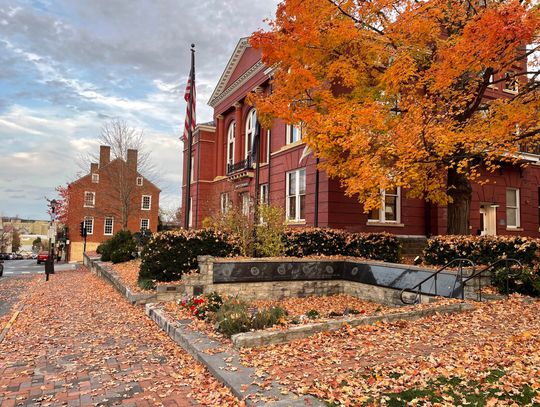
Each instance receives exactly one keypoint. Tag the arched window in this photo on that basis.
(230, 143)
(250, 131)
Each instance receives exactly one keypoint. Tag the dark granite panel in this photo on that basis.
(367, 273)
(277, 271)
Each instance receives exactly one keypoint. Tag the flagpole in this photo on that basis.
(190, 139)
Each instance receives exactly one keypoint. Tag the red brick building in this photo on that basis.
(111, 196)
(223, 174)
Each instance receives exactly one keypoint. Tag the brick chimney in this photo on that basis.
(132, 159)
(93, 168)
(104, 155)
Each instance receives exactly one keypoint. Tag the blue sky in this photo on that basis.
(68, 67)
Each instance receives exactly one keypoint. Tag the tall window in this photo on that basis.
(295, 206)
(95, 178)
(512, 208)
(224, 202)
(390, 210)
(190, 219)
(230, 143)
(109, 226)
(89, 225)
(245, 203)
(139, 181)
(263, 194)
(146, 202)
(251, 122)
(294, 133)
(192, 177)
(89, 199)
(145, 224)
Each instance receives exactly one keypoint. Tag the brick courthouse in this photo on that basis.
(223, 174)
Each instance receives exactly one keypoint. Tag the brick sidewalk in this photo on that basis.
(78, 342)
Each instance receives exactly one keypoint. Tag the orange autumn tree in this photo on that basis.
(394, 93)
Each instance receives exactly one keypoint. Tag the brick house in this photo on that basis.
(224, 175)
(111, 196)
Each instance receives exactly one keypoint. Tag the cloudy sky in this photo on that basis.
(67, 67)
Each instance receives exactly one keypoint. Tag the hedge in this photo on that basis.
(481, 249)
(170, 254)
(120, 248)
(332, 242)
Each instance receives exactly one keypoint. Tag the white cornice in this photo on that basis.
(250, 73)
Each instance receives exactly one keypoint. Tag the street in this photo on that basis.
(19, 267)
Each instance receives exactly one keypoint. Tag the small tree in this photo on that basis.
(36, 244)
(234, 222)
(15, 241)
(270, 232)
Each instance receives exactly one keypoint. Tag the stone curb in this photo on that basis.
(107, 274)
(224, 363)
(263, 338)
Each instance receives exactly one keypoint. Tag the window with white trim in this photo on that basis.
(89, 225)
(390, 209)
(95, 178)
(246, 203)
(294, 133)
(295, 204)
(230, 143)
(263, 194)
(511, 83)
(192, 178)
(145, 224)
(146, 202)
(139, 181)
(108, 226)
(251, 123)
(267, 155)
(190, 218)
(224, 202)
(89, 199)
(512, 208)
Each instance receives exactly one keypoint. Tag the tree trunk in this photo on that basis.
(460, 190)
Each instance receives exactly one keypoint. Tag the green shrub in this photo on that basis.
(313, 314)
(146, 284)
(331, 242)
(375, 246)
(233, 317)
(267, 317)
(314, 242)
(120, 248)
(170, 254)
(481, 249)
(509, 281)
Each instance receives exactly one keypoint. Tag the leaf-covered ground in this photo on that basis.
(78, 342)
(489, 356)
(12, 291)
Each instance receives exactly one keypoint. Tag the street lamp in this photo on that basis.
(49, 264)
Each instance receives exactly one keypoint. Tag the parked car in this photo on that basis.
(4, 256)
(42, 257)
(1, 268)
(17, 256)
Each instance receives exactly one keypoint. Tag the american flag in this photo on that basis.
(191, 100)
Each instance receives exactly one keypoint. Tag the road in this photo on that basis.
(22, 267)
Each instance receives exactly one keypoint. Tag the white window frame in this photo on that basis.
(263, 194)
(95, 178)
(246, 203)
(224, 202)
(192, 174)
(93, 204)
(382, 208)
(517, 208)
(251, 124)
(293, 130)
(111, 226)
(149, 202)
(89, 225)
(140, 181)
(267, 155)
(297, 195)
(231, 142)
(190, 219)
(147, 224)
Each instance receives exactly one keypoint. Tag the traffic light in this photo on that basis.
(82, 230)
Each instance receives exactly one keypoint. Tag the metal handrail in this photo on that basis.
(492, 267)
(418, 286)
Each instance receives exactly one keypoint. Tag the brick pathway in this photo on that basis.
(78, 342)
